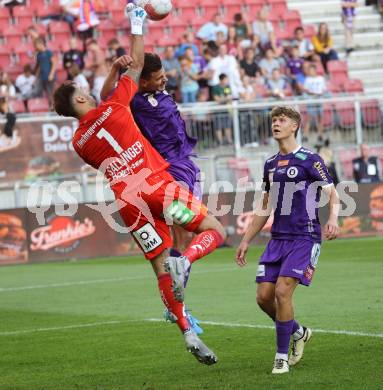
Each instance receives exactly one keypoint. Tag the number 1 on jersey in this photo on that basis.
(109, 138)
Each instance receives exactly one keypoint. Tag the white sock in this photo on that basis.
(298, 333)
(281, 356)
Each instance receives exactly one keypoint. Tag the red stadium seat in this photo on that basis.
(240, 167)
(292, 15)
(108, 29)
(59, 29)
(346, 114)
(52, 9)
(345, 157)
(17, 106)
(328, 117)
(38, 105)
(309, 30)
(371, 114)
(353, 86)
(13, 35)
(337, 67)
(261, 91)
(334, 88)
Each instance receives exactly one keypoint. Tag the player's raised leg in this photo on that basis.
(193, 343)
(210, 235)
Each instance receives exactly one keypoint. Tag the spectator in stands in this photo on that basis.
(233, 44)
(78, 77)
(328, 157)
(249, 66)
(209, 30)
(95, 62)
(314, 86)
(225, 63)
(277, 85)
(366, 167)
(265, 31)
(115, 50)
(222, 95)
(189, 41)
(305, 46)
(7, 89)
(189, 75)
(172, 70)
(323, 45)
(348, 18)
(242, 29)
(248, 93)
(73, 56)
(24, 83)
(32, 34)
(269, 63)
(295, 65)
(9, 137)
(45, 70)
(88, 19)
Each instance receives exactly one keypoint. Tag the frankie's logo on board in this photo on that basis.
(62, 234)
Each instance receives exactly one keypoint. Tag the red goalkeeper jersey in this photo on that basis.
(108, 138)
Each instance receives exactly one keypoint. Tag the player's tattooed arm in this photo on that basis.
(134, 74)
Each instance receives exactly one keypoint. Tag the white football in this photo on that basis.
(156, 9)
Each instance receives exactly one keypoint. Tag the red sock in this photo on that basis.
(203, 244)
(167, 296)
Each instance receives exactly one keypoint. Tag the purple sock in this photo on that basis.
(295, 327)
(174, 253)
(284, 331)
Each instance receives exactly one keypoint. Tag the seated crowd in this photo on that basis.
(256, 64)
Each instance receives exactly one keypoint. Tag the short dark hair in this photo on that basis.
(289, 112)
(152, 63)
(238, 17)
(300, 28)
(62, 98)
(222, 76)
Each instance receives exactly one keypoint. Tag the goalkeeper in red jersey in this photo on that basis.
(108, 139)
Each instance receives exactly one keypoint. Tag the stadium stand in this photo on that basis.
(358, 74)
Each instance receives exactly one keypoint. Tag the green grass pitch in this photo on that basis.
(92, 325)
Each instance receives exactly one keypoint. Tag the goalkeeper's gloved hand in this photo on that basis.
(137, 16)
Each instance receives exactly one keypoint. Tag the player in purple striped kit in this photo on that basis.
(293, 181)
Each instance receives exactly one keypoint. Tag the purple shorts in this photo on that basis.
(293, 258)
(187, 173)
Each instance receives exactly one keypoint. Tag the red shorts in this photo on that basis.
(145, 210)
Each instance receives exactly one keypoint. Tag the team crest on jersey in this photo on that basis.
(283, 163)
(292, 172)
(152, 100)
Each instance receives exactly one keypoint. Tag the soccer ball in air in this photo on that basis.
(156, 9)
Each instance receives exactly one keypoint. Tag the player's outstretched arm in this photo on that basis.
(262, 214)
(137, 51)
(124, 62)
(331, 229)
